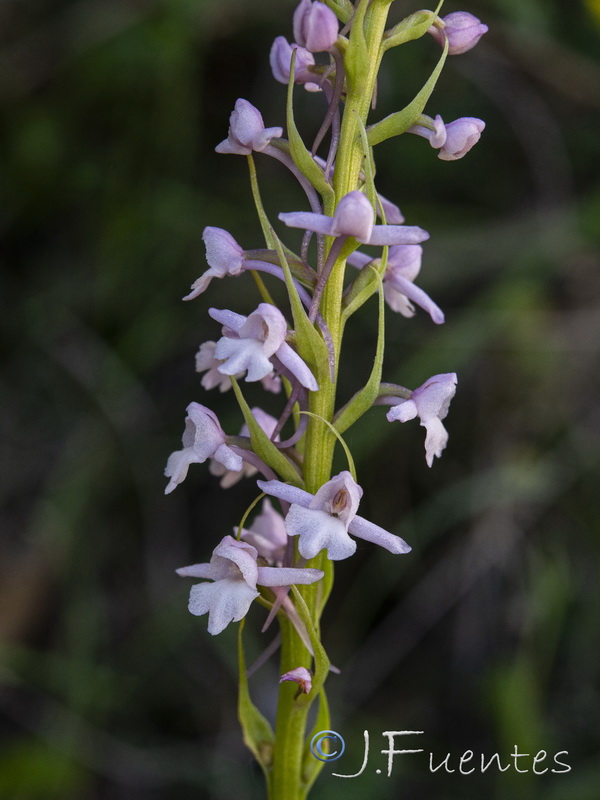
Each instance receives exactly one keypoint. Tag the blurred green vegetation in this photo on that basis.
(487, 635)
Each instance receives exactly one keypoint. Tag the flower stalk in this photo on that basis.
(286, 561)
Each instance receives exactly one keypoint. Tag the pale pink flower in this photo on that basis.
(315, 26)
(249, 344)
(324, 520)
(203, 438)
(462, 29)
(235, 573)
(430, 402)
(247, 131)
(354, 217)
(399, 289)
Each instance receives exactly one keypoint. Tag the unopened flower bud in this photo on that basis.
(461, 136)
(315, 26)
(280, 59)
(463, 31)
(247, 131)
(299, 675)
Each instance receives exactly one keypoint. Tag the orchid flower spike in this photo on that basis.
(224, 256)
(247, 131)
(299, 675)
(280, 59)
(235, 573)
(249, 344)
(230, 477)
(399, 290)
(354, 217)
(453, 140)
(323, 521)
(203, 438)
(430, 402)
(463, 31)
(315, 26)
(268, 534)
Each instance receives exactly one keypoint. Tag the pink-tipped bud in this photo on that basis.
(299, 675)
(461, 136)
(280, 59)
(353, 217)
(247, 131)
(315, 26)
(463, 31)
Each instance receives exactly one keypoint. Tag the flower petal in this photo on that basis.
(228, 318)
(373, 533)
(286, 576)
(319, 223)
(318, 531)
(242, 554)
(418, 296)
(177, 466)
(435, 440)
(230, 460)
(213, 572)
(397, 234)
(405, 410)
(241, 355)
(283, 491)
(290, 359)
(225, 601)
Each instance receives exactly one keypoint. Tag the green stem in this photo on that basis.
(290, 726)
(286, 780)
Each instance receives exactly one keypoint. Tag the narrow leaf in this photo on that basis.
(258, 734)
(300, 154)
(309, 342)
(260, 209)
(401, 121)
(368, 163)
(263, 446)
(362, 288)
(322, 663)
(364, 399)
(412, 27)
(343, 9)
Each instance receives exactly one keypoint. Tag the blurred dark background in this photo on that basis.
(487, 635)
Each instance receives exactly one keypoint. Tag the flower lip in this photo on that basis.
(203, 438)
(430, 402)
(224, 256)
